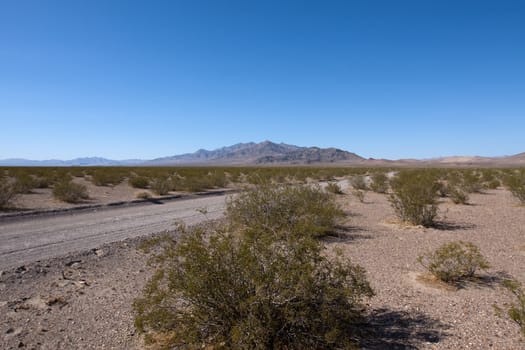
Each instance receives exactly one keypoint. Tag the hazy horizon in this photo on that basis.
(142, 80)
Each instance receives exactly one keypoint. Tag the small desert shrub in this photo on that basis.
(360, 195)
(8, 193)
(454, 261)
(161, 186)
(107, 177)
(139, 182)
(515, 311)
(379, 183)
(516, 184)
(472, 182)
(303, 210)
(143, 195)
(459, 196)
(358, 182)
(219, 290)
(70, 192)
(24, 183)
(414, 197)
(493, 184)
(334, 188)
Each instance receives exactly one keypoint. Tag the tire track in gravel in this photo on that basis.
(31, 239)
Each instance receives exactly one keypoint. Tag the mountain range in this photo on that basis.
(270, 153)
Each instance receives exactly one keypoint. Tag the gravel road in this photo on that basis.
(26, 240)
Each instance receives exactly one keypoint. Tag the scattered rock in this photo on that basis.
(98, 252)
(21, 269)
(73, 263)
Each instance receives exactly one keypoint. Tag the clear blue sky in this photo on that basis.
(144, 79)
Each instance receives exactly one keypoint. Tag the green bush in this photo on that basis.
(215, 289)
(414, 197)
(515, 182)
(334, 188)
(515, 311)
(161, 186)
(281, 208)
(472, 182)
(8, 193)
(379, 183)
(139, 182)
(24, 183)
(459, 196)
(454, 261)
(70, 192)
(107, 177)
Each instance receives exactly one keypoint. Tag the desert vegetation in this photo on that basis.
(69, 191)
(515, 310)
(454, 261)
(259, 280)
(414, 197)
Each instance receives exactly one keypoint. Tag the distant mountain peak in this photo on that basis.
(265, 152)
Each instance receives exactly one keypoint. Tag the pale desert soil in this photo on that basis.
(87, 305)
(42, 198)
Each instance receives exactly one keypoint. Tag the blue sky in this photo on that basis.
(144, 79)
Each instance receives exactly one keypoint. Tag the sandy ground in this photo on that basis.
(83, 301)
(42, 199)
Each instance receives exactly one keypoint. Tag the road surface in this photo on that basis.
(26, 240)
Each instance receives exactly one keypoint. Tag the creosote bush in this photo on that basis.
(161, 186)
(8, 193)
(69, 191)
(454, 261)
(139, 182)
(379, 183)
(516, 310)
(515, 182)
(414, 197)
(459, 196)
(305, 210)
(261, 286)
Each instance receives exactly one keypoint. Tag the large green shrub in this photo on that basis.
(70, 192)
(224, 290)
(414, 197)
(454, 261)
(290, 209)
